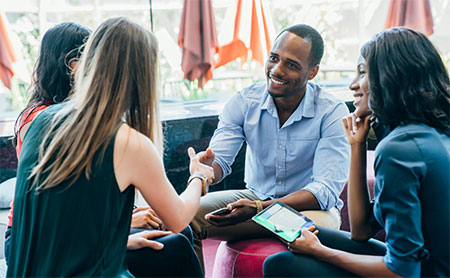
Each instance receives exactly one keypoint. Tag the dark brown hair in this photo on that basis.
(407, 79)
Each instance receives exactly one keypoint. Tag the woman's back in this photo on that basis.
(413, 195)
(94, 212)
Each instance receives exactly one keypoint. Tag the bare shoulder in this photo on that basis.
(129, 140)
(132, 147)
(134, 154)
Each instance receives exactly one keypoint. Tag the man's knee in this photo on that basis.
(208, 203)
(198, 224)
(329, 219)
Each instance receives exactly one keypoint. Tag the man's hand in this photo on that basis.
(145, 217)
(241, 211)
(206, 157)
(196, 166)
(142, 239)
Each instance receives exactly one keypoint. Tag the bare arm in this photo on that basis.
(299, 200)
(364, 265)
(358, 198)
(137, 162)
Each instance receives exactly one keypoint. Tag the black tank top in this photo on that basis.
(81, 230)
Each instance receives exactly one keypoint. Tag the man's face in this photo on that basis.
(287, 67)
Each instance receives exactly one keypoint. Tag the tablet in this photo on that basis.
(283, 221)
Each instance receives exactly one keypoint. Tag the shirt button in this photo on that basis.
(279, 182)
(279, 166)
(280, 146)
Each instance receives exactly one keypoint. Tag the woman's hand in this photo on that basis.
(142, 239)
(195, 166)
(356, 129)
(307, 243)
(145, 217)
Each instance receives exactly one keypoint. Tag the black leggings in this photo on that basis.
(176, 259)
(7, 241)
(288, 264)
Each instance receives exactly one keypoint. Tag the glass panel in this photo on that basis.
(344, 24)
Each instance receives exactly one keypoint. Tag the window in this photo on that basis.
(344, 24)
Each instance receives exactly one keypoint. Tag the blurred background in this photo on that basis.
(344, 24)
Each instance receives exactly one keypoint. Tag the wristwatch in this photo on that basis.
(203, 179)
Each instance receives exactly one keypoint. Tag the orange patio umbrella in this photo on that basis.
(247, 26)
(198, 40)
(6, 55)
(414, 14)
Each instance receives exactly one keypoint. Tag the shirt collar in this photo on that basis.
(304, 109)
(308, 99)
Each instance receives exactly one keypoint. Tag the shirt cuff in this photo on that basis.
(400, 266)
(226, 170)
(321, 194)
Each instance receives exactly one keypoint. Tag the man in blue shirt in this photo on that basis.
(296, 153)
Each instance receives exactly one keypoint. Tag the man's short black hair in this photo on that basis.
(310, 35)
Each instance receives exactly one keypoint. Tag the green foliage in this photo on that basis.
(194, 92)
(18, 95)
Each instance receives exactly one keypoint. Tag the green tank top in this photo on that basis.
(81, 230)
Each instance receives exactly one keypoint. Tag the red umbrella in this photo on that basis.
(414, 14)
(6, 55)
(198, 40)
(247, 26)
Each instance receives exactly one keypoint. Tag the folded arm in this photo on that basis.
(331, 160)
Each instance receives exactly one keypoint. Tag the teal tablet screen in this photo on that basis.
(283, 220)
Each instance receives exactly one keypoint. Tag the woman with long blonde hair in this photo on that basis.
(75, 181)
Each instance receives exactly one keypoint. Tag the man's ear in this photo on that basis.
(313, 72)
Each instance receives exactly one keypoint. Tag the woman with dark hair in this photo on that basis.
(403, 81)
(55, 67)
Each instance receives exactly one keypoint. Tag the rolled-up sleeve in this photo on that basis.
(399, 168)
(331, 160)
(229, 135)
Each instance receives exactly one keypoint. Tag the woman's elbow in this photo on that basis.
(360, 232)
(176, 228)
(360, 236)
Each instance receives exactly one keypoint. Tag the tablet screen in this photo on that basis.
(283, 221)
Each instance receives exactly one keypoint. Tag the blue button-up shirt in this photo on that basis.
(412, 200)
(308, 152)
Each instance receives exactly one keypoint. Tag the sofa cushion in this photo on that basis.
(244, 258)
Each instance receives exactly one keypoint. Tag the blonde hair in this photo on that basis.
(115, 83)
